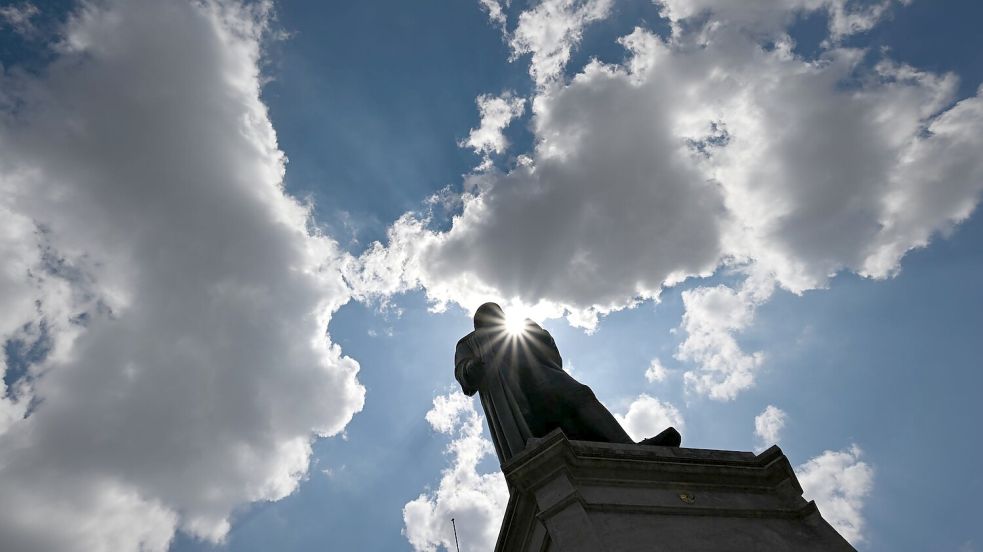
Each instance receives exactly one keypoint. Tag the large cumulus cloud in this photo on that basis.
(180, 295)
(714, 147)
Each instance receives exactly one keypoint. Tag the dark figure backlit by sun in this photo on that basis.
(515, 366)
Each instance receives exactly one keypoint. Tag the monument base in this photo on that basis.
(577, 496)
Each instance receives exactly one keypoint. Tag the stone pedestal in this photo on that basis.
(576, 496)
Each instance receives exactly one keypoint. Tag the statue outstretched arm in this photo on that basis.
(469, 370)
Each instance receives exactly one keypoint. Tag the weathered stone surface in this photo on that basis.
(573, 496)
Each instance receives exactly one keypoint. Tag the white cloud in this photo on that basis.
(847, 18)
(656, 371)
(496, 114)
(647, 416)
(21, 283)
(549, 32)
(704, 151)
(839, 482)
(496, 12)
(146, 234)
(476, 501)
(712, 317)
(772, 16)
(19, 17)
(768, 425)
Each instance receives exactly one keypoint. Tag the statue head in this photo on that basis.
(489, 315)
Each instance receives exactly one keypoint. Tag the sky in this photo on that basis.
(241, 238)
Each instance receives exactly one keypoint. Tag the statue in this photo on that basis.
(526, 393)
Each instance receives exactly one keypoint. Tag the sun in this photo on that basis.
(515, 322)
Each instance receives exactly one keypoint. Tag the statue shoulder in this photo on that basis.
(465, 339)
(537, 330)
(466, 343)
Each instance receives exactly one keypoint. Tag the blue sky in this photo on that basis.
(776, 203)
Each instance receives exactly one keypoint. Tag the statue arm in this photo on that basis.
(469, 370)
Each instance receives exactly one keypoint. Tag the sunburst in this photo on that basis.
(515, 323)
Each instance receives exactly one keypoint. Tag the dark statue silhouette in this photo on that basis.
(526, 393)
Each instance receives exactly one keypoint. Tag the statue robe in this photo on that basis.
(523, 388)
